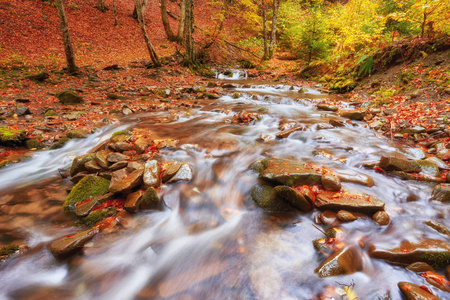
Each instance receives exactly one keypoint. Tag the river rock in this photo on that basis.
(77, 134)
(287, 172)
(133, 201)
(133, 165)
(88, 187)
(420, 267)
(438, 162)
(152, 172)
(337, 122)
(431, 251)
(266, 198)
(391, 163)
(285, 133)
(93, 167)
(293, 197)
(357, 202)
(68, 245)
(361, 179)
(127, 183)
(356, 114)
(116, 157)
(346, 216)
(75, 179)
(417, 177)
(328, 217)
(412, 291)
(121, 146)
(118, 165)
(441, 192)
(184, 173)
(78, 164)
(447, 272)
(69, 97)
(85, 208)
(101, 157)
(441, 228)
(331, 182)
(429, 168)
(343, 262)
(141, 144)
(327, 107)
(170, 170)
(381, 217)
(151, 200)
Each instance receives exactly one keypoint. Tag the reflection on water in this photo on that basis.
(211, 242)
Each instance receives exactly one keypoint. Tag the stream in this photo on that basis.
(212, 241)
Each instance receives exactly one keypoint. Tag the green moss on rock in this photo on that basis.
(60, 143)
(9, 250)
(88, 187)
(11, 137)
(79, 162)
(69, 97)
(98, 215)
(34, 144)
(438, 260)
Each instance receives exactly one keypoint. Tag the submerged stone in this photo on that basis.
(412, 291)
(293, 197)
(68, 245)
(342, 262)
(266, 198)
(357, 202)
(441, 193)
(391, 163)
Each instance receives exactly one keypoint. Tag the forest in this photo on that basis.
(225, 149)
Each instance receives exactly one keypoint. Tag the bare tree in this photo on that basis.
(151, 50)
(165, 21)
(190, 58)
(273, 34)
(66, 37)
(181, 21)
(144, 3)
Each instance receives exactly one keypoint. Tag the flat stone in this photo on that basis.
(357, 202)
(327, 107)
(289, 172)
(266, 198)
(431, 251)
(170, 170)
(331, 182)
(285, 133)
(441, 228)
(412, 291)
(184, 173)
(68, 245)
(118, 165)
(121, 146)
(337, 122)
(101, 157)
(381, 218)
(293, 197)
(346, 216)
(133, 165)
(141, 144)
(328, 217)
(116, 157)
(133, 201)
(152, 172)
(129, 182)
(441, 193)
(84, 209)
(93, 167)
(391, 163)
(343, 262)
(355, 114)
(361, 179)
(420, 267)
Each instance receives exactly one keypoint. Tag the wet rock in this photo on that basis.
(141, 144)
(118, 165)
(331, 182)
(93, 167)
(412, 291)
(133, 201)
(266, 198)
(337, 123)
(120, 136)
(327, 107)
(357, 202)
(184, 173)
(293, 197)
(77, 134)
(87, 187)
(78, 164)
(133, 165)
(69, 97)
(152, 172)
(431, 251)
(75, 179)
(438, 162)
(127, 183)
(10, 250)
(429, 168)
(355, 114)
(417, 177)
(441, 228)
(98, 215)
(342, 262)
(150, 200)
(85, 208)
(443, 154)
(284, 134)
(328, 217)
(381, 217)
(346, 216)
(101, 157)
(169, 144)
(357, 179)
(447, 272)
(116, 157)
(420, 267)
(170, 170)
(21, 110)
(11, 137)
(441, 193)
(390, 163)
(289, 172)
(68, 245)
(121, 146)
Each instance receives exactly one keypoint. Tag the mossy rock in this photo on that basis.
(60, 143)
(88, 187)
(266, 198)
(150, 200)
(69, 97)
(118, 136)
(12, 137)
(50, 113)
(77, 134)
(9, 250)
(15, 161)
(34, 144)
(343, 86)
(246, 64)
(98, 215)
(79, 162)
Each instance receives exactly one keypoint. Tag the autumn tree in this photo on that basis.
(269, 43)
(181, 21)
(170, 35)
(190, 58)
(70, 58)
(141, 21)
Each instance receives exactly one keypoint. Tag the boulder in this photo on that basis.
(431, 251)
(381, 217)
(88, 187)
(356, 114)
(152, 172)
(361, 179)
(293, 197)
(69, 97)
(12, 137)
(343, 262)
(77, 134)
(331, 182)
(170, 170)
(127, 183)
(184, 173)
(68, 245)
(356, 202)
(150, 200)
(266, 198)
(412, 291)
(391, 163)
(441, 193)
(287, 172)
(78, 164)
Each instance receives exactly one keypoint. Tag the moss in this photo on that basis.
(77, 134)
(60, 143)
(34, 144)
(11, 137)
(122, 132)
(50, 113)
(236, 95)
(150, 199)
(69, 97)
(98, 215)
(78, 163)
(9, 250)
(88, 187)
(438, 260)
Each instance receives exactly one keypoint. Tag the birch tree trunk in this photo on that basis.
(273, 34)
(189, 31)
(165, 21)
(66, 37)
(140, 18)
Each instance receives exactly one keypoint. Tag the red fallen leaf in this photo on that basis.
(404, 250)
(79, 203)
(105, 223)
(436, 277)
(379, 170)
(423, 287)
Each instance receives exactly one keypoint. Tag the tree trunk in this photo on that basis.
(101, 6)
(180, 35)
(423, 23)
(273, 34)
(66, 37)
(115, 13)
(165, 21)
(151, 50)
(266, 49)
(143, 3)
(189, 31)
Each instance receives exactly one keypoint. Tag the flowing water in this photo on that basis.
(212, 242)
